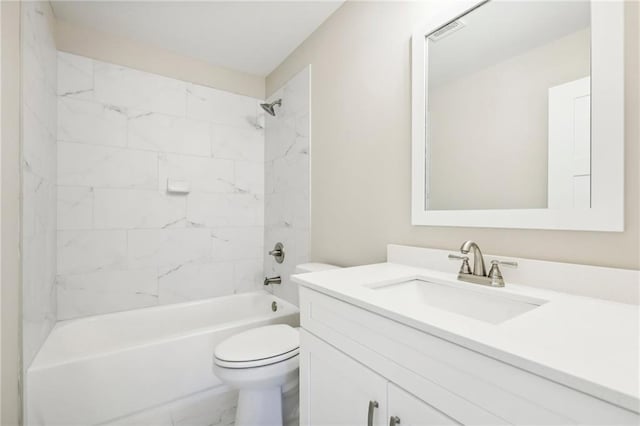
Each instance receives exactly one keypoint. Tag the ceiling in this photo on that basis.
(253, 37)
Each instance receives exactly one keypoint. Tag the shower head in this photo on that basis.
(270, 108)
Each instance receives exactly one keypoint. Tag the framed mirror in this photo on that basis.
(518, 116)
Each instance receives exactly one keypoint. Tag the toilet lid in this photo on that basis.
(258, 346)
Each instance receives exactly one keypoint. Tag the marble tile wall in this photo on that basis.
(124, 242)
(287, 182)
(39, 66)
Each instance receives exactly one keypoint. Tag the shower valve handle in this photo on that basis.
(278, 252)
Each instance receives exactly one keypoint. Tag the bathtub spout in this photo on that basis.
(272, 280)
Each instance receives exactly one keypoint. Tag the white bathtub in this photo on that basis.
(93, 370)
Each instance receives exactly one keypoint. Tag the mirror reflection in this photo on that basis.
(509, 108)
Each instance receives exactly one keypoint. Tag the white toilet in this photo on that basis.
(260, 363)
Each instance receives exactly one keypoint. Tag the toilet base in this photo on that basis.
(259, 407)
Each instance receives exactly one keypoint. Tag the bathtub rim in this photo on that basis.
(37, 364)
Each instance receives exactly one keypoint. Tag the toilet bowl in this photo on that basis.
(261, 364)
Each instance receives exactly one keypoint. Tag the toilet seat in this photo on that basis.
(258, 347)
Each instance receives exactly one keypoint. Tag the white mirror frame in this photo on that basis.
(607, 134)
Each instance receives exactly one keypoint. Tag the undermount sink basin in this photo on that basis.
(473, 303)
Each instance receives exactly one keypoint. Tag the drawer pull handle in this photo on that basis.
(394, 420)
(372, 406)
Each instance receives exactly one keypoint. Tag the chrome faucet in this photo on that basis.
(478, 261)
(272, 280)
(479, 273)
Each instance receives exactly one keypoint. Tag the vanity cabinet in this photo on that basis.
(341, 391)
(351, 356)
(344, 391)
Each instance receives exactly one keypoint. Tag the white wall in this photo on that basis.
(361, 132)
(10, 308)
(123, 242)
(287, 182)
(39, 66)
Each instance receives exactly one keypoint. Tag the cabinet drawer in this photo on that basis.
(429, 367)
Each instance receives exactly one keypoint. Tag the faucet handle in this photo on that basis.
(464, 268)
(512, 264)
(494, 273)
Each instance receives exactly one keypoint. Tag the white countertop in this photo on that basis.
(585, 343)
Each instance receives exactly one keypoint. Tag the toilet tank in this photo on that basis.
(313, 267)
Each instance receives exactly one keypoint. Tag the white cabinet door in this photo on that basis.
(407, 410)
(337, 390)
